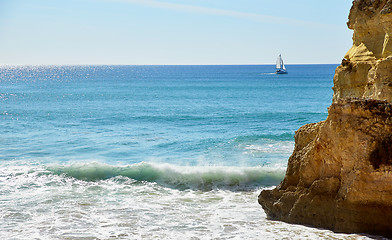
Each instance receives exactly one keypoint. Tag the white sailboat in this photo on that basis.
(280, 68)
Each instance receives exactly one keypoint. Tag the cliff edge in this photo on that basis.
(340, 173)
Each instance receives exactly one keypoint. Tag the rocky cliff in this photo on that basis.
(340, 173)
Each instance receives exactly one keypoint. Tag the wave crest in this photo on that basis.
(180, 177)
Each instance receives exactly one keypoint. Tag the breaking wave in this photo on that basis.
(179, 177)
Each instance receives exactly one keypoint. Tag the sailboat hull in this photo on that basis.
(280, 72)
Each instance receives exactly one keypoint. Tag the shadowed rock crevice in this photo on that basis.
(382, 154)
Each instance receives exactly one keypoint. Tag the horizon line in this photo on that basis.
(234, 64)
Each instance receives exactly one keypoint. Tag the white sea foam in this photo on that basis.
(35, 203)
(282, 147)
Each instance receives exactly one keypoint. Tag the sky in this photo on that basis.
(173, 32)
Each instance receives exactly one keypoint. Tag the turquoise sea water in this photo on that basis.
(151, 152)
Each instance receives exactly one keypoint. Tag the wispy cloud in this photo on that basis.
(218, 12)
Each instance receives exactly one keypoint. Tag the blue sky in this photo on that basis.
(173, 31)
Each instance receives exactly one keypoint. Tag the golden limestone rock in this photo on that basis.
(366, 68)
(340, 173)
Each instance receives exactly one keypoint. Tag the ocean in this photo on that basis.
(151, 152)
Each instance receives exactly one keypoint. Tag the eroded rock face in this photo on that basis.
(366, 68)
(340, 173)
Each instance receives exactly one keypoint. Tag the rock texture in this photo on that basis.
(366, 68)
(340, 173)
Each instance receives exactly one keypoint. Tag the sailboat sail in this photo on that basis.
(279, 62)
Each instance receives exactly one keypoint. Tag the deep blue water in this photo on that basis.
(182, 115)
